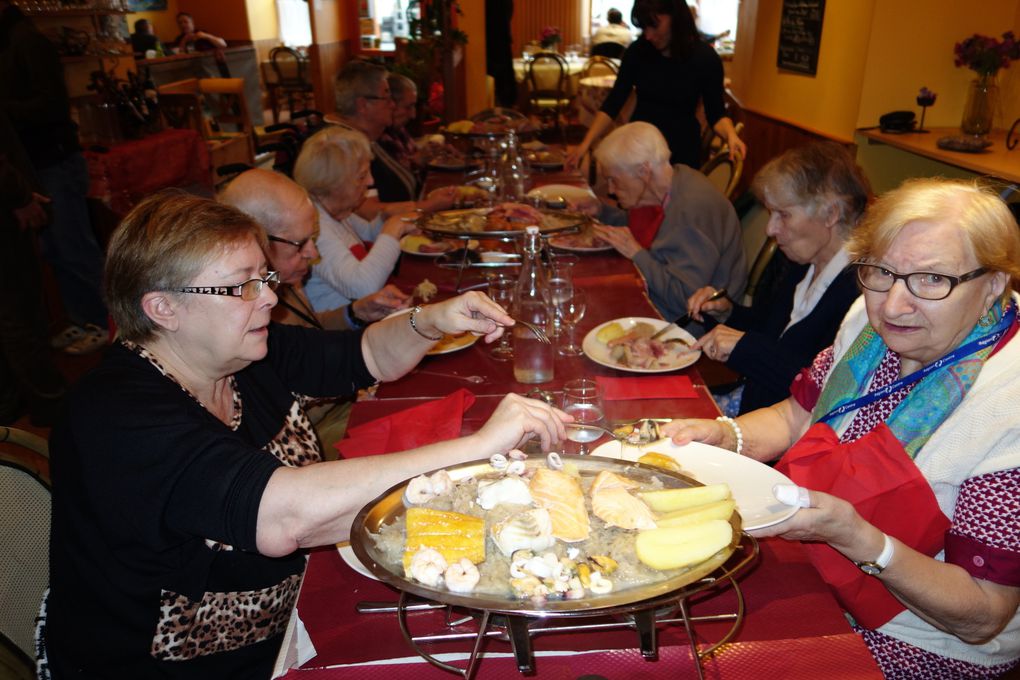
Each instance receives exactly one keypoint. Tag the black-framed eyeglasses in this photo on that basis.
(925, 285)
(297, 244)
(247, 291)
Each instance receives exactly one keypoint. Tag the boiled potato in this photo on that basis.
(660, 460)
(610, 332)
(414, 242)
(675, 547)
(699, 513)
(668, 500)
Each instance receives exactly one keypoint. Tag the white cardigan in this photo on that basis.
(339, 278)
(982, 435)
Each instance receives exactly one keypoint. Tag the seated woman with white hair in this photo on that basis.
(682, 234)
(357, 255)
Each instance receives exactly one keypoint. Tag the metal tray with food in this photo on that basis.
(506, 220)
(608, 558)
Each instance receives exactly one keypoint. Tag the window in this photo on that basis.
(713, 17)
(382, 21)
(295, 25)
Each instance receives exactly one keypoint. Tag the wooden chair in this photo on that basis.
(609, 49)
(548, 92)
(24, 541)
(599, 66)
(292, 83)
(724, 172)
(759, 247)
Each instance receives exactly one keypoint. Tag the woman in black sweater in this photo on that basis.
(671, 69)
(815, 194)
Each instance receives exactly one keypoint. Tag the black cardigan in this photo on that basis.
(766, 357)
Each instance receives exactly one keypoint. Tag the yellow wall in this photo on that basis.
(875, 56)
(262, 20)
(912, 46)
(825, 103)
(473, 23)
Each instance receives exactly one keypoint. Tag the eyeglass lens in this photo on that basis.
(925, 285)
(251, 289)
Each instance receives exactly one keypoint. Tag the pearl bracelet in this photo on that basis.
(414, 326)
(736, 430)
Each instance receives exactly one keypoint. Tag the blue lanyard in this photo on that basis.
(942, 362)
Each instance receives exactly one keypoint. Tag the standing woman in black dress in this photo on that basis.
(671, 68)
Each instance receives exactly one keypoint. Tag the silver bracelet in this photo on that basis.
(736, 430)
(414, 326)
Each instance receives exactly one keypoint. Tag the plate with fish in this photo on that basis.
(503, 220)
(750, 482)
(419, 244)
(626, 345)
(529, 536)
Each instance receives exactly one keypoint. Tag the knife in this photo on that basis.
(682, 321)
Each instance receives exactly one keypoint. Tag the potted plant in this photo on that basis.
(550, 38)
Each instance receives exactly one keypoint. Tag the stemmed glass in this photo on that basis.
(501, 290)
(582, 398)
(556, 291)
(570, 311)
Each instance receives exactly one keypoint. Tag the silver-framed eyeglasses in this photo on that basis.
(247, 291)
(297, 244)
(925, 285)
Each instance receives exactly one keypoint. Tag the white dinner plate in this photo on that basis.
(404, 248)
(750, 482)
(567, 191)
(599, 352)
(348, 556)
(562, 243)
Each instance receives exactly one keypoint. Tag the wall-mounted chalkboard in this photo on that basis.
(800, 35)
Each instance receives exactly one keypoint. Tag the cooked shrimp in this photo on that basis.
(498, 461)
(427, 567)
(462, 576)
(442, 482)
(419, 490)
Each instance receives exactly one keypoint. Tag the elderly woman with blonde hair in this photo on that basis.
(357, 255)
(186, 474)
(904, 437)
(681, 233)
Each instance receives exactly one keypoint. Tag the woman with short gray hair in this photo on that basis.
(815, 194)
(681, 233)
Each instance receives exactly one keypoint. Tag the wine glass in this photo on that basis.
(570, 311)
(501, 290)
(582, 398)
(556, 291)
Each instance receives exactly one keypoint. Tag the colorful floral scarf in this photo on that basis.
(928, 404)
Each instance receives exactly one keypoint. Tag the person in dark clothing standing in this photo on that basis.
(671, 69)
(815, 195)
(27, 374)
(499, 58)
(34, 97)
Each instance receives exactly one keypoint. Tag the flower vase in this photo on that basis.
(978, 112)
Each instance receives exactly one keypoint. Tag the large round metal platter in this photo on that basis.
(389, 507)
(472, 222)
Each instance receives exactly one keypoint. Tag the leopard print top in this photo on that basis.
(226, 621)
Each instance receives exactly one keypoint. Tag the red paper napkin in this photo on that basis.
(427, 423)
(647, 387)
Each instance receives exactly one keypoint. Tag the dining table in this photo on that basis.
(782, 619)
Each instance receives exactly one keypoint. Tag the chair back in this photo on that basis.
(613, 50)
(599, 66)
(229, 104)
(723, 171)
(289, 66)
(24, 537)
(547, 76)
(759, 247)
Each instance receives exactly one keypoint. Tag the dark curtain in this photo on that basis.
(498, 52)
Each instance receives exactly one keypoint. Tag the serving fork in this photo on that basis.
(539, 333)
(647, 433)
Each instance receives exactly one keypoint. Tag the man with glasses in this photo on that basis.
(283, 209)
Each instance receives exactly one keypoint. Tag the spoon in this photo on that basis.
(642, 436)
(476, 379)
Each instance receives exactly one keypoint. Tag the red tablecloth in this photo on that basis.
(129, 171)
(792, 628)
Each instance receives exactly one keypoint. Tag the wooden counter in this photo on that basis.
(995, 161)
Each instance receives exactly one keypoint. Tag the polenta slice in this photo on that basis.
(452, 534)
